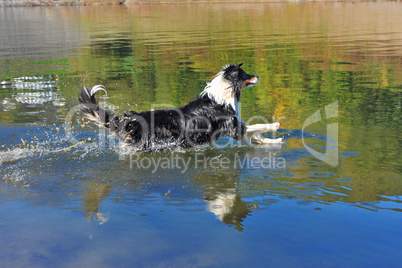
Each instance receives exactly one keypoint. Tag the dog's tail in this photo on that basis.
(90, 107)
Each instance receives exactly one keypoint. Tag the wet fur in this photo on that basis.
(201, 121)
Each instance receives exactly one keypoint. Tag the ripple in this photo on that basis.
(314, 163)
(332, 192)
(270, 201)
(288, 174)
(344, 180)
(321, 174)
(316, 184)
(176, 202)
(347, 188)
(304, 202)
(395, 198)
(289, 196)
(348, 153)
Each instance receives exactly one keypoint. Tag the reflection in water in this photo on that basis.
(221, 192)
(36, 36)
(35, 90)
(92, 197)
(30, 97)
(230, 209)
(304, 64)
(307, 57)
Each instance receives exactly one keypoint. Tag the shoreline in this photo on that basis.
(31, 3)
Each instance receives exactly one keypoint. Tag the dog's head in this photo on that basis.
(228, 84)
(238, 79)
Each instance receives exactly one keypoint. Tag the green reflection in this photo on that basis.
(162, 55)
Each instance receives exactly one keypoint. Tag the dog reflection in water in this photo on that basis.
(229, 208)
(213, 114)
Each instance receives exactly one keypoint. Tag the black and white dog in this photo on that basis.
(213, 114)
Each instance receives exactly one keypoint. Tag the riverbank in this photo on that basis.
(119, 2)
(8, 3)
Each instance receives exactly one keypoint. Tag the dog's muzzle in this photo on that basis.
(252, 81)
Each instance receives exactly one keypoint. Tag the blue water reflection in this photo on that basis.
(71, 195)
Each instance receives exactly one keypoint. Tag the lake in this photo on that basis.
(330, 195)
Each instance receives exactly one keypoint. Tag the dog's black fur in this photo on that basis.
(201, 121)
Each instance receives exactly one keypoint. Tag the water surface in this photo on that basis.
(71, 196)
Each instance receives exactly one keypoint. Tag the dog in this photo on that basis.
(213, 114)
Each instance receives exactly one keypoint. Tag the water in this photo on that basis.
(71, 196)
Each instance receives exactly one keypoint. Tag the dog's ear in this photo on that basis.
(235, 71)
(236, 68)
